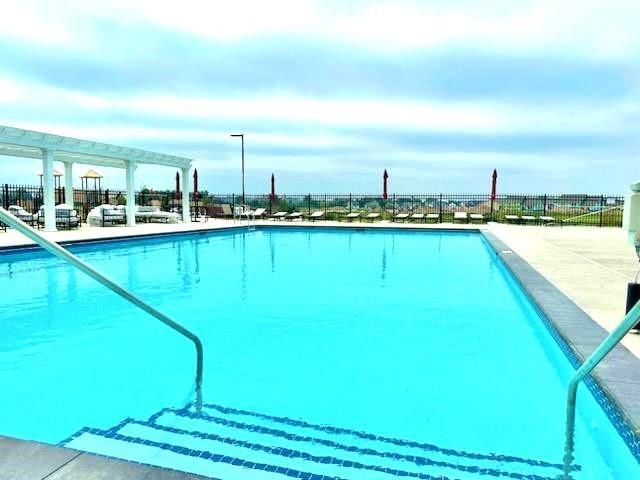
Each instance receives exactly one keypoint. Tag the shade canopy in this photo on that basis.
(18, 142)
(56, 173)
(91, 174)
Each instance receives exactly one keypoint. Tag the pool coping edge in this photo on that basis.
(615, 383)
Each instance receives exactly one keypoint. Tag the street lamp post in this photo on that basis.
(241, 135)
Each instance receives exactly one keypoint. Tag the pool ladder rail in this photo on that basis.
(68, 257)
(607, 345)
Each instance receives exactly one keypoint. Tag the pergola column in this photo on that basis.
(68, 183)
(48, 187)
(131, 194)
(186, 214)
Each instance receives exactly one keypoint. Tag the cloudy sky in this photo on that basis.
(329, 93)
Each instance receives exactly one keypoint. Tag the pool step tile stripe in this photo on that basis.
(257, 437)
(232, 444)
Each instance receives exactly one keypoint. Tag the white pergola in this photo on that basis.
(17, 142)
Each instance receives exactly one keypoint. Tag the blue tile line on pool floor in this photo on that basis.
(378, 438)
(416, 459)
(292, 453)
(420, 461)
(206, 455)
(621, 425)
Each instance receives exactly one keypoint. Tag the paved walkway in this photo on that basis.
(590, 265)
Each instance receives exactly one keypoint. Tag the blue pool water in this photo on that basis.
(328, 353)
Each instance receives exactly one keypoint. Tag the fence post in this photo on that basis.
(349, 203)
(440, 219)
(309, 204)
(601, 208)
(544, 207)
(394, 204)
(5, 197)
(233, 205)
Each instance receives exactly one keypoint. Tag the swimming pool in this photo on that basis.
(354, 354)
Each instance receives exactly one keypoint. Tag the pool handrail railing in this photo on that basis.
(68, 257)
(607, 345)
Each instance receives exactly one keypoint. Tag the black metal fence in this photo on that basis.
(567, 209)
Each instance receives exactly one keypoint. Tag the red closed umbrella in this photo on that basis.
(494, 181)
(195, 184)
(177, 185)
(273, 187)
(385, 176)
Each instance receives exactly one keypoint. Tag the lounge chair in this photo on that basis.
(293, 215)
(546, 219)
(352, 215)
(22, 214)
(476, 216)
(66, 217)
(279, 215)
(528, 219)
(433, 216)
(512, 218)
(417, 216)
(460, 216)
(165, 217)
(316, 215)
(372, 216)
(258, 212)
(401, 216)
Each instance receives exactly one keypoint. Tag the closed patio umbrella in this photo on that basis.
(177, 185)
(273, 187)
(494, 181)
(385, 177)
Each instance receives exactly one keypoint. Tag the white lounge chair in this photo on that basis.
(512, 218)
(279, 215)
(460, 216)
(546, 219)
(66, 216)
(294, 215)
(401, 216)
(417, 216)
(257, 213)
(433, 216)
(528, 218)
(22, 214)
(476, 216)
(316, 215)
(352, 215)
(372, 216)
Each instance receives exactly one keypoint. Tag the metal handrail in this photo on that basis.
(608, 344)
(65, 255)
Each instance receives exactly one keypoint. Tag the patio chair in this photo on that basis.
(258, 212)
(22, 214)
(528, 219)
(417, 216)
(462, 216)
(433, 216)
(316, 215)
(351, 216)
(372, 216)
(512, 218)
(401, 216)
(546, 219)
(279, 215)
(293, 215)
(476, 216)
